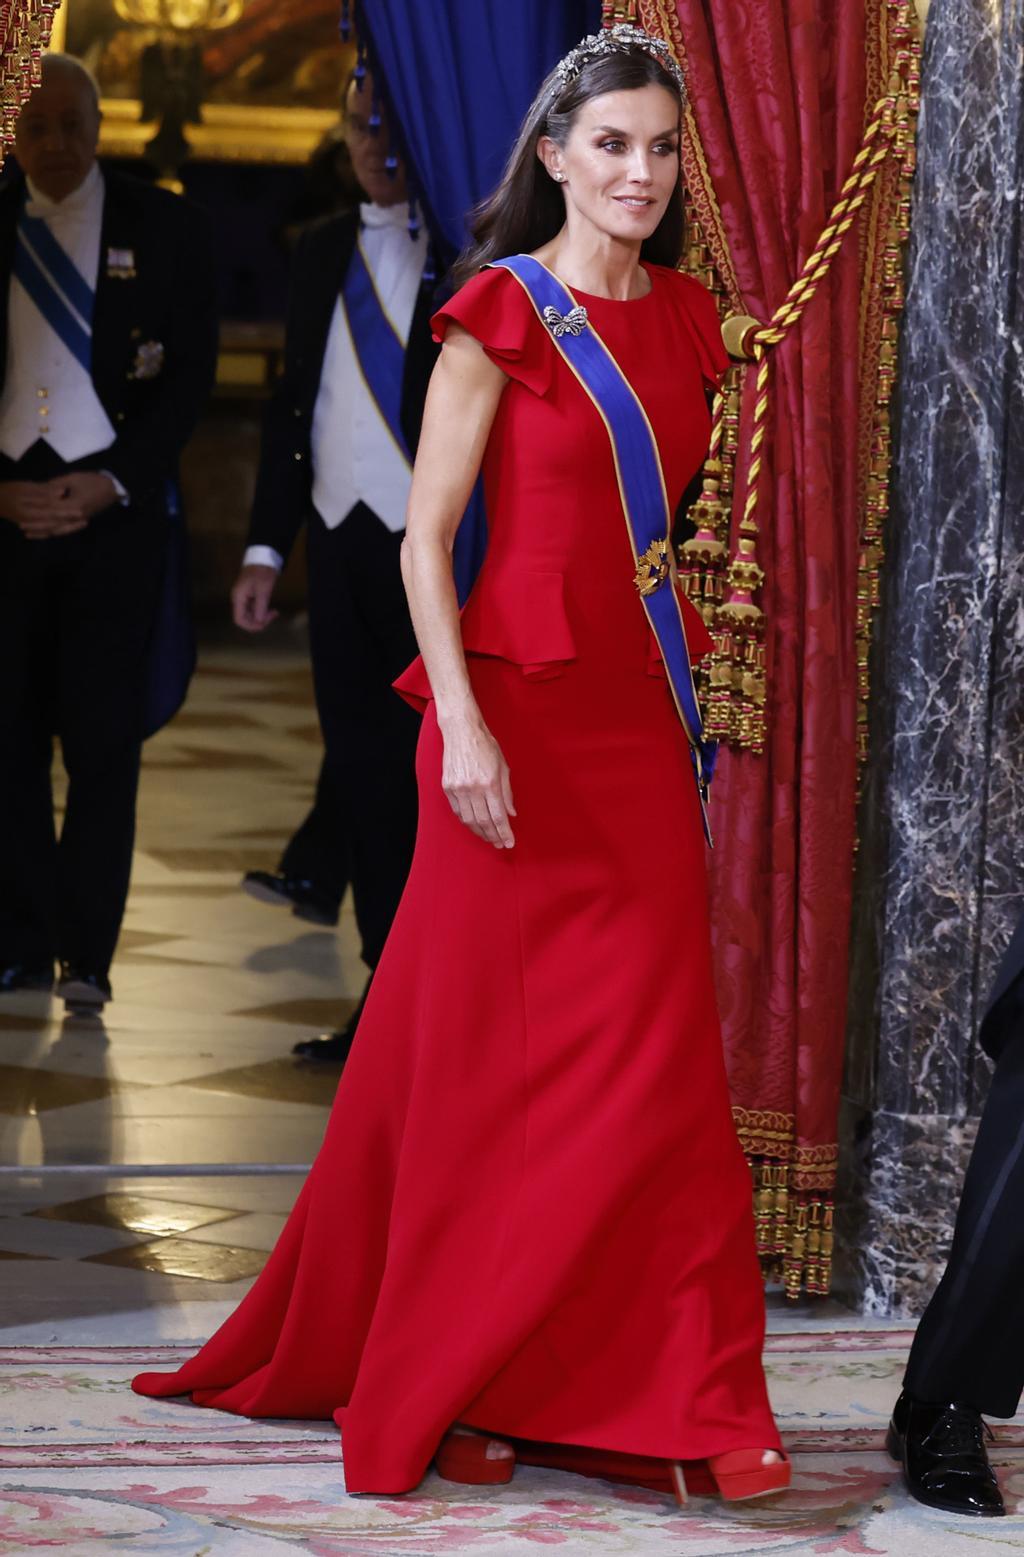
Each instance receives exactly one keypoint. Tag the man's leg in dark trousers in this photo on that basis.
(31, 593)
(361, 640)
(318, 851)
(969, 1345)
(104, 632)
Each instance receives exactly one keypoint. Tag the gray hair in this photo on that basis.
(69, 64)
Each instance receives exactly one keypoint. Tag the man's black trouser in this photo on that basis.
(361, 638)
(969, 1345)
(76, 618)
(318, 850)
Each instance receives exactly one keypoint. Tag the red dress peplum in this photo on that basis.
(531, 1212)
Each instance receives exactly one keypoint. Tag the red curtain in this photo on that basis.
(778, 90)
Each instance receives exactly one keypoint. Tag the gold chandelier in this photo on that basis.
(181, 16)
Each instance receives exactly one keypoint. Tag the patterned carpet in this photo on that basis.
(93, 1470)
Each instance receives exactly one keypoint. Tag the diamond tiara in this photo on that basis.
(618, 40)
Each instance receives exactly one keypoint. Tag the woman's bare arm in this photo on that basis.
(461, 404)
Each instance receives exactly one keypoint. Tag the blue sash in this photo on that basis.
(380, 350)
(641, 488)
(59, 291)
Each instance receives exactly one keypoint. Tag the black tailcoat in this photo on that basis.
(285, 485)
(78, 612)
(1005, 1013)
(170, 301)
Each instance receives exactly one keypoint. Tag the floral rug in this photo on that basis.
(91, 1470)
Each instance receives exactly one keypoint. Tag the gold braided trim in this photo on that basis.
(895, 53)
(26, 26)
(658, 17)
(724, 583)
(793, 1205)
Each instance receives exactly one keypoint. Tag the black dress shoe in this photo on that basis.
(17, 976)
(308, 899)
(942, 1451)
(332, 1048)
(83, 991)
(328, 1049)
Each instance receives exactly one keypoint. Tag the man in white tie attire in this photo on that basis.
(107, 351)
(338, 444)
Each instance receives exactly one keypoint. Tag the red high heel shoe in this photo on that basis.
(462, 1457)
(742, 1473)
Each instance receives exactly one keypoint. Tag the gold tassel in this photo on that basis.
(764, 1207)
(702, 557)
(737, 674)
(793, 1266)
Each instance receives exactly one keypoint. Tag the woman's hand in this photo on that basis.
(475, 777)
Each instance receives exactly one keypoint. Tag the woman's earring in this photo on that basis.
(559, 178)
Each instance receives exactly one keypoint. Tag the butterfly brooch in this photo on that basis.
(572, 323)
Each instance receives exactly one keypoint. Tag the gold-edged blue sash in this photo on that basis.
(379, 348)
(641, 488)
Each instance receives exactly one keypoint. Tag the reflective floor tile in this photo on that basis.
(256, 1230)
(185, 1257)
(281, 1081)
(321, 1015)
(61, 1240)
(25, 1091)
(136, 1213)
(258, 1192)
(25, 1022)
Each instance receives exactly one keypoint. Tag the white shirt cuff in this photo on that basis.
(262, 557)
(122, 491)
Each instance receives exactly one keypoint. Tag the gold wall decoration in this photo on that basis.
(273, 72)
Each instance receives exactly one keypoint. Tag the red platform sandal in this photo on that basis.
(743, 1474)
(462, 1457)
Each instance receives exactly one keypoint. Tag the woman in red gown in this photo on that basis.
(531, 1216)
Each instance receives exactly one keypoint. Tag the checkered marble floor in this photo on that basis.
(191, 1063)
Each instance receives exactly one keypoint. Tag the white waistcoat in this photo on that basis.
(47, 393)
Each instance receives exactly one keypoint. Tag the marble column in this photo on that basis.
(940, 879)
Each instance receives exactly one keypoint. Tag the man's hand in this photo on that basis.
(38, 509)
(89, 491)
(250, 597)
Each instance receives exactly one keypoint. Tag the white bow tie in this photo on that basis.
(385, 215)
(78, 206)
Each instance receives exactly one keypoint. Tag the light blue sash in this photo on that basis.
(380, 349)
(58, 289)
(641, 488)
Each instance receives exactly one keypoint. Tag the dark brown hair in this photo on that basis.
(528, 208)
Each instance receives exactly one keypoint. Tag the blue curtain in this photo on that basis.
(458, 76)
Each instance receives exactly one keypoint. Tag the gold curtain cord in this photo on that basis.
(26, 34)
(793, 1182)
(736, 690)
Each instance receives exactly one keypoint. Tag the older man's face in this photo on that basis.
(368, 149)
(57, 133)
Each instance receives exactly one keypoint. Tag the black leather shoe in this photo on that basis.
(942, 1451)
(82, 991)
(332, 1048)
(17, 976)
(308, 899)
(328, 1049)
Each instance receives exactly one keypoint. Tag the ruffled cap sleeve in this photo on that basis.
(496, 311)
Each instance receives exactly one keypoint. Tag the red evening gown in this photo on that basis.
(531, 1212)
